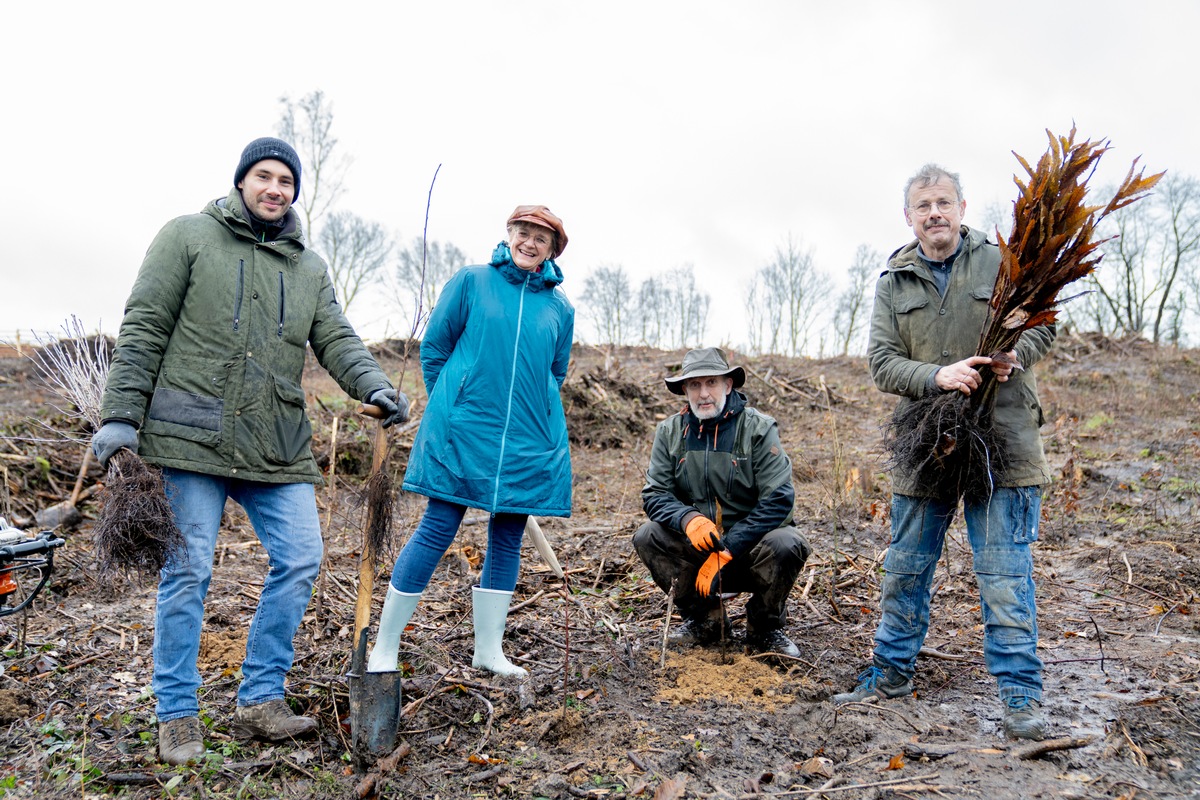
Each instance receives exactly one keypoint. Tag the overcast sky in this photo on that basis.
(663, 133)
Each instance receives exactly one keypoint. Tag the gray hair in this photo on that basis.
(929, 175)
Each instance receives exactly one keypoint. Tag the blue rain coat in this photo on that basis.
(494, 357)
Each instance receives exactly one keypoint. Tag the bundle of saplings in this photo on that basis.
(948, 438)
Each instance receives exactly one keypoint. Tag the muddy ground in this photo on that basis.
(1116, 569)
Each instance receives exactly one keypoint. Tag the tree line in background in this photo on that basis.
(1148, 283)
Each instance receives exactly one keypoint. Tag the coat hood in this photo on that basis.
(548, 275)
(906, 258)
(230, 212)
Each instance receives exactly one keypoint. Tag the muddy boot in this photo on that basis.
(1023, 719)
(180, 741)
(272, 720)
(397, 611)
(490, 610)
(876, 684)
(775, 641)
(702, 630)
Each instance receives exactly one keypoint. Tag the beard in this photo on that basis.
(709, 413)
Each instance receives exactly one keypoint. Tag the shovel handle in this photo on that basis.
(368, 410)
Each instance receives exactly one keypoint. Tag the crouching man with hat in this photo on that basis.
(719, 497)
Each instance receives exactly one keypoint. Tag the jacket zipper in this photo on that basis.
(281, 304)
(512, 379)
(237, 301)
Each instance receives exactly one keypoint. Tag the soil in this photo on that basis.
(1116, 567)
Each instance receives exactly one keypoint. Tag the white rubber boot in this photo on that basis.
(490, 610)
(397, 611)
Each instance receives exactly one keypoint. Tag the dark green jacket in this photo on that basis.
(914, 331)
(212, 346)
(735, 461)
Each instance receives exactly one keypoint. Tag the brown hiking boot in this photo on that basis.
(179, 741)
(272, 720)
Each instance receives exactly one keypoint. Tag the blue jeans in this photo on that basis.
(434, 535)
(285, 519)
(1000, 531)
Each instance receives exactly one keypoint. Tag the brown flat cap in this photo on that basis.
(701, 364)
(540, 215)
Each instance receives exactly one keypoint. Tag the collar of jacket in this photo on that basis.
(547, 277)
(906, 259)
(230, 212)
(734, 405)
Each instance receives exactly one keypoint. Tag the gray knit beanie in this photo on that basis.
(268, 147)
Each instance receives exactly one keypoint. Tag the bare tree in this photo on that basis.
(356, 250)
(852, 308)
(687, 307)
(997, 216)
(607, 298)
(439, 260)
(1155, 253)
(764, 310)
(307, 124)
(787, 294)
(653, 305)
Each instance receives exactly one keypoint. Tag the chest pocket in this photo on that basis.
(909, 300)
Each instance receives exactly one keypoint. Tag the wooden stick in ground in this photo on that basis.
(83, 468)
(662, 658)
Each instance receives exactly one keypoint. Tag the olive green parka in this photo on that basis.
(212, 346)
(915, 331)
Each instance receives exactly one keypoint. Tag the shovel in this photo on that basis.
(375, 697)
(375, 703)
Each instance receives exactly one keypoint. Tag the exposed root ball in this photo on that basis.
(380, 492)
(951, 448)
(135, 532)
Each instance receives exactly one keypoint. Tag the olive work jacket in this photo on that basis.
(212, 346)
(915, 331)
(735, 461)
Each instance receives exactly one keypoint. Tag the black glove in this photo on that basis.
(111, 437)
(393, 403)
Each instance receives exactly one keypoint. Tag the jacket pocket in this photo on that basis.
(291, 433)
(185, 415)
(905, 302)
(238, 293)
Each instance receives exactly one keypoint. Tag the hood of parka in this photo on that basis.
(231, 211)
(906, 258)
(547, 276)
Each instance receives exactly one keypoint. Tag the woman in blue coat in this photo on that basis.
(494, 435)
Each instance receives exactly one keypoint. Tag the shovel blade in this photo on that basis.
(375, 702)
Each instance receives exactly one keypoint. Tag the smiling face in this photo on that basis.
(707, 395)
(935, 213)
(268, 190)
(530, 244)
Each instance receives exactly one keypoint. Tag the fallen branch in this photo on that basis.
(368, 786)
(876, 705)
(1039, 749)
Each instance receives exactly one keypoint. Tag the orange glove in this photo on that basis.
(702, 533)
(706, 579)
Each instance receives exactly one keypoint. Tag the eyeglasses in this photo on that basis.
(923, 209)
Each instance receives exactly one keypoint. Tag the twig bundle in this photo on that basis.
(135, 532)
(948, 439)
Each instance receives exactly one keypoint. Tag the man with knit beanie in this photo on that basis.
(205, 384)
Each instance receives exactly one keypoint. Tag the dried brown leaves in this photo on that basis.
(1053, 240)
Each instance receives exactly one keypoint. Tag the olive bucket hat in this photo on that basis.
(703, 363)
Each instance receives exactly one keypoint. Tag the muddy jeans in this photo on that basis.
(1000, 532)
(768, 572)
